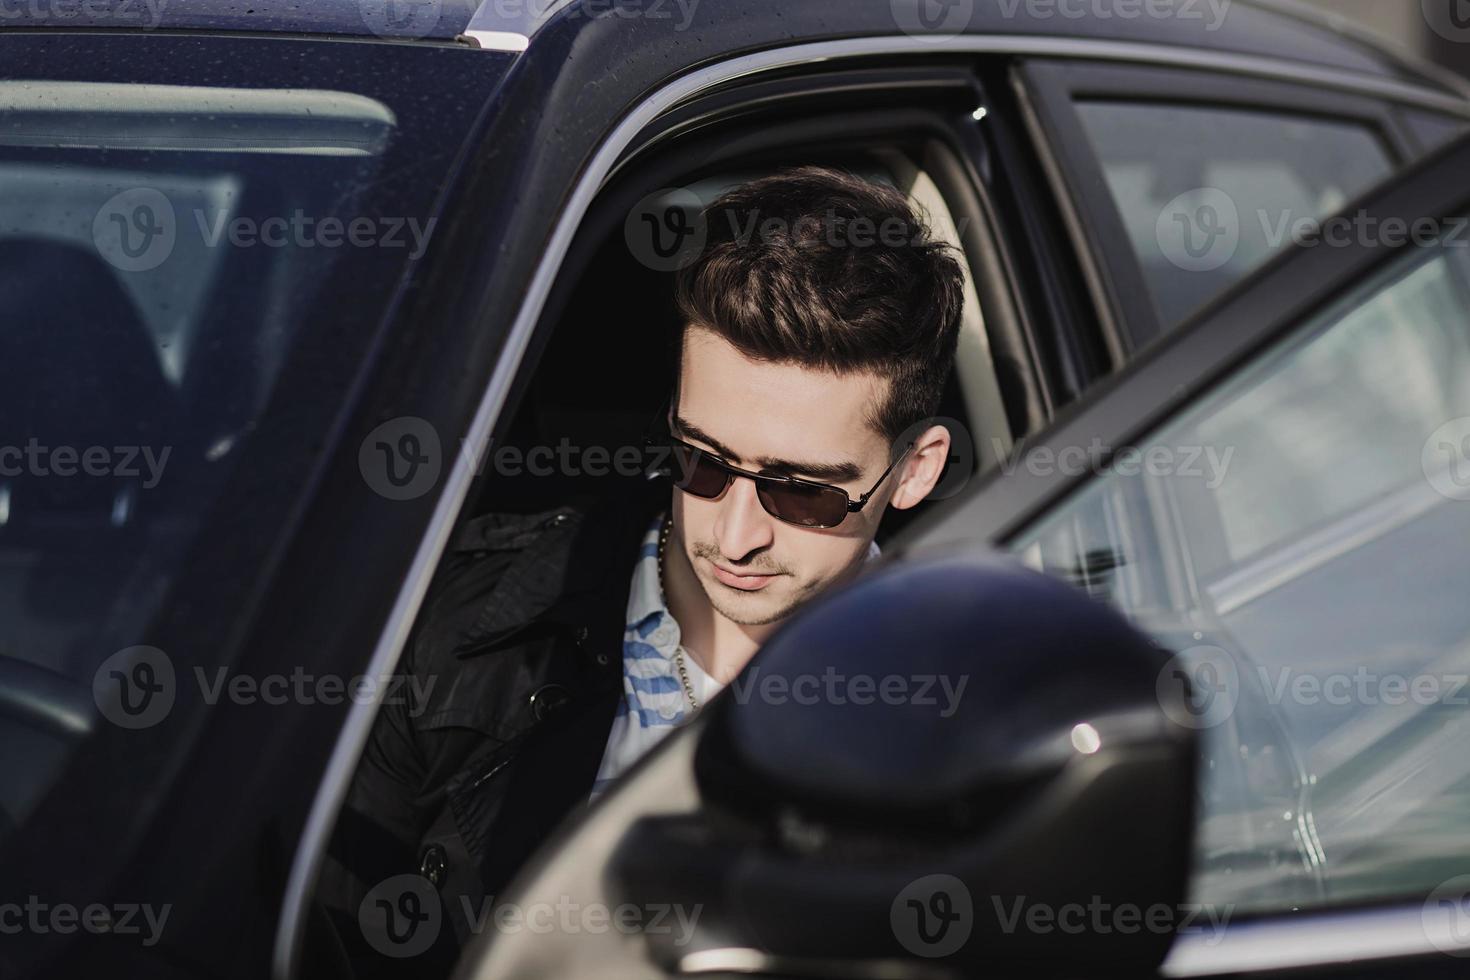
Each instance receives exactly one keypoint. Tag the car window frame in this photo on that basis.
(1167, 380)
(1052, 89)
(986, 243)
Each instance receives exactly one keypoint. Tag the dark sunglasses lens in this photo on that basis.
(696, 473)
(797, 503)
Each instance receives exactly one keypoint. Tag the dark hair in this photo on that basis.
(820, 267)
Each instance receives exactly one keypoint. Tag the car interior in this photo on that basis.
(603, 370)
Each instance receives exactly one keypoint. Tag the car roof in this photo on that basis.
(1282, 29)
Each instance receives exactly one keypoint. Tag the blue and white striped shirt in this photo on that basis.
(653, 701)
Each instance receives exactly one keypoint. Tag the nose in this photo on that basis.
(743, 526)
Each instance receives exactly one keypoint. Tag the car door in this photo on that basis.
(1279, 493)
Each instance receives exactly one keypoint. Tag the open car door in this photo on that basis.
(1248, 704)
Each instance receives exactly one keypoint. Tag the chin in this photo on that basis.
(751, 608)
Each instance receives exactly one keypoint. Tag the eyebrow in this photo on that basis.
(843, 472)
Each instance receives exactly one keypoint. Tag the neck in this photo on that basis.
(721, 648)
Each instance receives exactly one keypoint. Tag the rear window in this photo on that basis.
(1209, 194)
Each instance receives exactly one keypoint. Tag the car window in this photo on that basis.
(192, 276)
(1297, 540)
(1207, 194)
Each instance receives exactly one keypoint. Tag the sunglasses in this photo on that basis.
(794, 501)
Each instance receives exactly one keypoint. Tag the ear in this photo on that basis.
(923, 467)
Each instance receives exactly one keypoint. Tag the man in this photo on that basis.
(819, 327)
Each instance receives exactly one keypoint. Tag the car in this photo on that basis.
(283, 281)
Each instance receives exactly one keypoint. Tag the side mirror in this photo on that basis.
(958, 766)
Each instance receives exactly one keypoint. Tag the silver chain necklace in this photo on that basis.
(663, 541)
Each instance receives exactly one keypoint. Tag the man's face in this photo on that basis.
(784, 420)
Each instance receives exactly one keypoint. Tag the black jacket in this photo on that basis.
(513, 674)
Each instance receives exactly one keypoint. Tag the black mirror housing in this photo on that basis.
(960, 762)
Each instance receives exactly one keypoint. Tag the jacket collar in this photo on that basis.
(572, 566)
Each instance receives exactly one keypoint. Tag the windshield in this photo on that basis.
(191, 276)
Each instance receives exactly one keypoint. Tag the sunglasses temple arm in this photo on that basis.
(854, 506)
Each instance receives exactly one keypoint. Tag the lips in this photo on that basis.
(745, 583)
